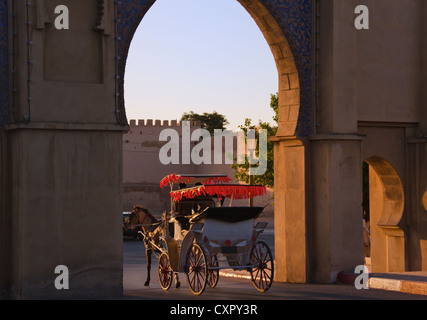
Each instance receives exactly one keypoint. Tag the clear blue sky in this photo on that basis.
(199, 55)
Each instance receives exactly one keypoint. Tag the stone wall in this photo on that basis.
(142, 169)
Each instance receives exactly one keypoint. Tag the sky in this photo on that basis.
(201, 56)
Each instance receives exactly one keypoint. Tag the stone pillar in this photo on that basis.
(318, 207)
(422, 201)
(387, 206)
(290, 210)
(423, 109)
(65, 209)
(417, 203)
(336, 228)
(335, 183)
(62, 154)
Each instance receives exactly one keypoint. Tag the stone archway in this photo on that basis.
(387, 201)
(76, 129)
(289, 82)
(286, 26)
(290, 43)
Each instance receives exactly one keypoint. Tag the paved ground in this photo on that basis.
(236, 289)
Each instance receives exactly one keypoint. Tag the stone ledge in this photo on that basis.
(66, 126)
(408, 282)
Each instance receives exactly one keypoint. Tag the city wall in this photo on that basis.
(142, 169)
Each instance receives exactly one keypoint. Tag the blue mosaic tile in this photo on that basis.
(295, 19)
(293, 16)
(129, 15)
(4, 65)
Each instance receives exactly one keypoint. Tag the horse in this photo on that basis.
(152, 230)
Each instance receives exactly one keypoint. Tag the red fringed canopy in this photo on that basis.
(186, 178)
(235, 191)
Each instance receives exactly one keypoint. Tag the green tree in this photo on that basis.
(274, 104)
(209, 121)
(242, 170)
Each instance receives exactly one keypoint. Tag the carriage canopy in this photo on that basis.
(210, 185)
(234, 191)
(194, 178)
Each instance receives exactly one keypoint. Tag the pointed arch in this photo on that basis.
(387, 203)
(287, 29)
(391, 193)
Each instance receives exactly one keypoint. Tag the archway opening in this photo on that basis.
(386, 202)
(288, 109)
(199, 56)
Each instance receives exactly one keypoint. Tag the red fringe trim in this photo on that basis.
(231, 190)
(173, 178)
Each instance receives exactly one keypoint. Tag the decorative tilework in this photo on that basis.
(129, 15)
(293, 16)
(295, 19)
(4, 65)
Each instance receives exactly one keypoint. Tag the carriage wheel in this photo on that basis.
(263, 272)
(165, 271)
(213, 275)
(197, 269)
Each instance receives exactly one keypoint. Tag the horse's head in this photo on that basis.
(138, 216)
(132, 218)
(126, 223)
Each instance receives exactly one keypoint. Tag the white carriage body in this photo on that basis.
(227, 233)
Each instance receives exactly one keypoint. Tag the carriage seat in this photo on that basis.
(180, 226)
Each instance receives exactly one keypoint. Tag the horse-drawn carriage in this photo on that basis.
(199, 230)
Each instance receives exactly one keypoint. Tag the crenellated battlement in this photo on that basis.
(149, 130)
(160, 123)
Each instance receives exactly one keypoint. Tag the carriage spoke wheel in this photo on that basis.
(165, 271)
(213, 275)
(263, 271)
(197, 269)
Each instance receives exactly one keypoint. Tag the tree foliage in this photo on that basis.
(274, 104)
(209, 121)
(242, 170)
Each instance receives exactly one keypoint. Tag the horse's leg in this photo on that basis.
(177, 283)
(148, 253)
